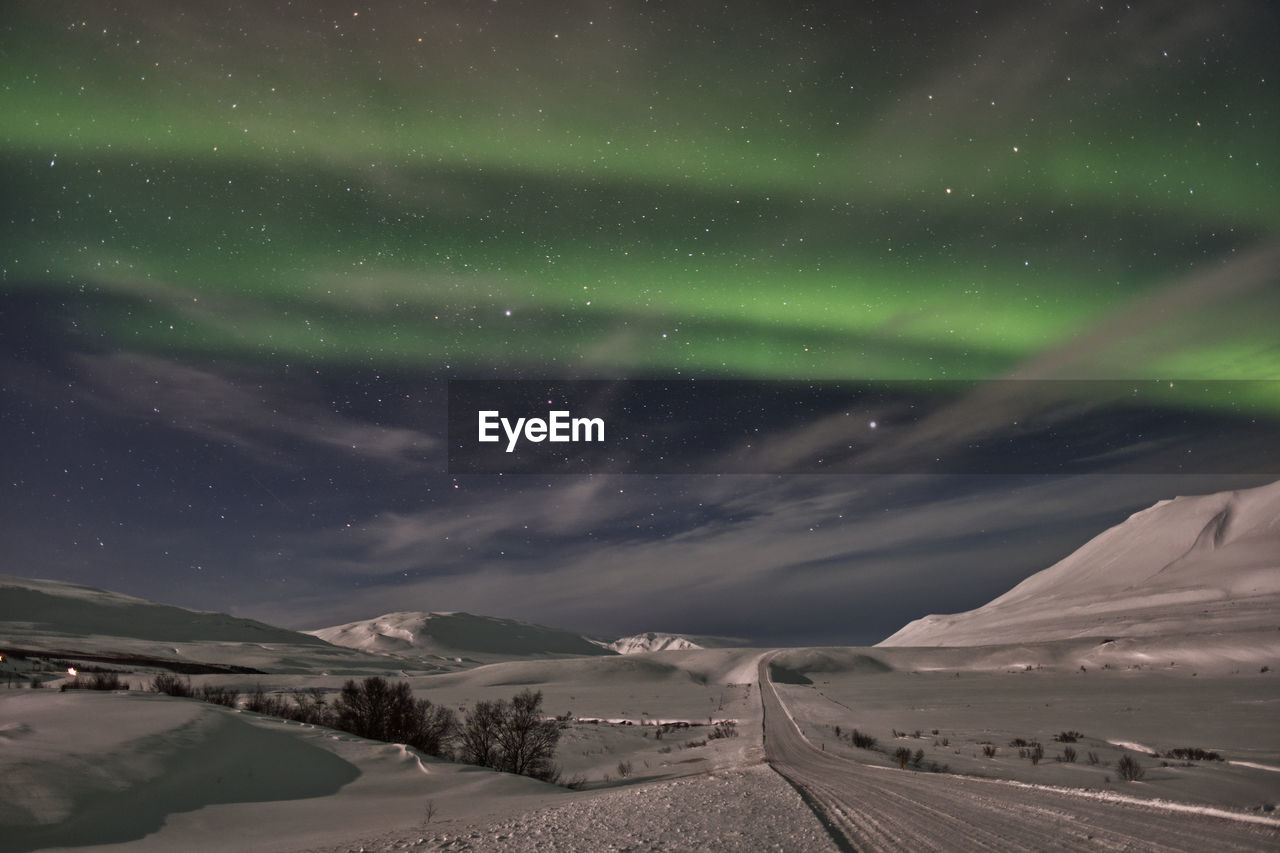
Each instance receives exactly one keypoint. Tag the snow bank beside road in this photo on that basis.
(752, 809)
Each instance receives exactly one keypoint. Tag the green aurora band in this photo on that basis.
(390, 197)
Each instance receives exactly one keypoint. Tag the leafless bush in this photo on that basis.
(726, 729)
(97, 681)
(259, 701)
(1128, 769)
(215, 695)
(1192, 753)
(380, 710)
(172, 685)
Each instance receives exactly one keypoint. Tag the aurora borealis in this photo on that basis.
(244, 246)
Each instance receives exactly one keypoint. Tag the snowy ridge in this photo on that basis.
(457, 634)
(68, 619)
(1191, 565)
(31, 606)
(651, 642)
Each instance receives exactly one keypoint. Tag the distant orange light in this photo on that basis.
(71, 670)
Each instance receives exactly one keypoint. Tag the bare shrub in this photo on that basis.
(624, 769)
(380, 710)
(309, 706)
(989, 751)
(259, 701)
(862, 740)
(1069, 755)
(215, 695)
(97, 681)
(172, 685)
(1128, 769)
(1192, 753)
(726, 729)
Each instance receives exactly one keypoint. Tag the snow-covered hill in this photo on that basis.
(99, 625)
(1192, 565)
(33, 607)
(457, 635)
(651, 642)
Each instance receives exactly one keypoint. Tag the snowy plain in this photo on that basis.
(133, 770)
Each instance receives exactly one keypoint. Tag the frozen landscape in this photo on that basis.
(1149, 653)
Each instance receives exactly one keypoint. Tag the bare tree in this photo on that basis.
(479, 736)
(528, 742)
(379, 710)
(511, 736)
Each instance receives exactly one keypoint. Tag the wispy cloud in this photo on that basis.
(260, 420)
(824, 555)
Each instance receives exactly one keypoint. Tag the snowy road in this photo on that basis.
(874, 808)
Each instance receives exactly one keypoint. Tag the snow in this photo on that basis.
(1207, 566)
(1117, 711)
(1170, 666)
(651, 642)
(456, 634)
(75, 621)
(152, 773)
(751, 809)
(53, 607)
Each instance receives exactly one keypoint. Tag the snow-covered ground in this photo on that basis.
(147, 772)
(667, 746)
(752, 809)
(952, 715)
(136, 771)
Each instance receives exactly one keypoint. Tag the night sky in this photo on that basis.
(243, 248)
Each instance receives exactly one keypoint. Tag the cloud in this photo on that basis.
(260, 420)
(817, 557)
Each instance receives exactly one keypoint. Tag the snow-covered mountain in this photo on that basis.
(651, 642)
(457, 635)
(1191, 565)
